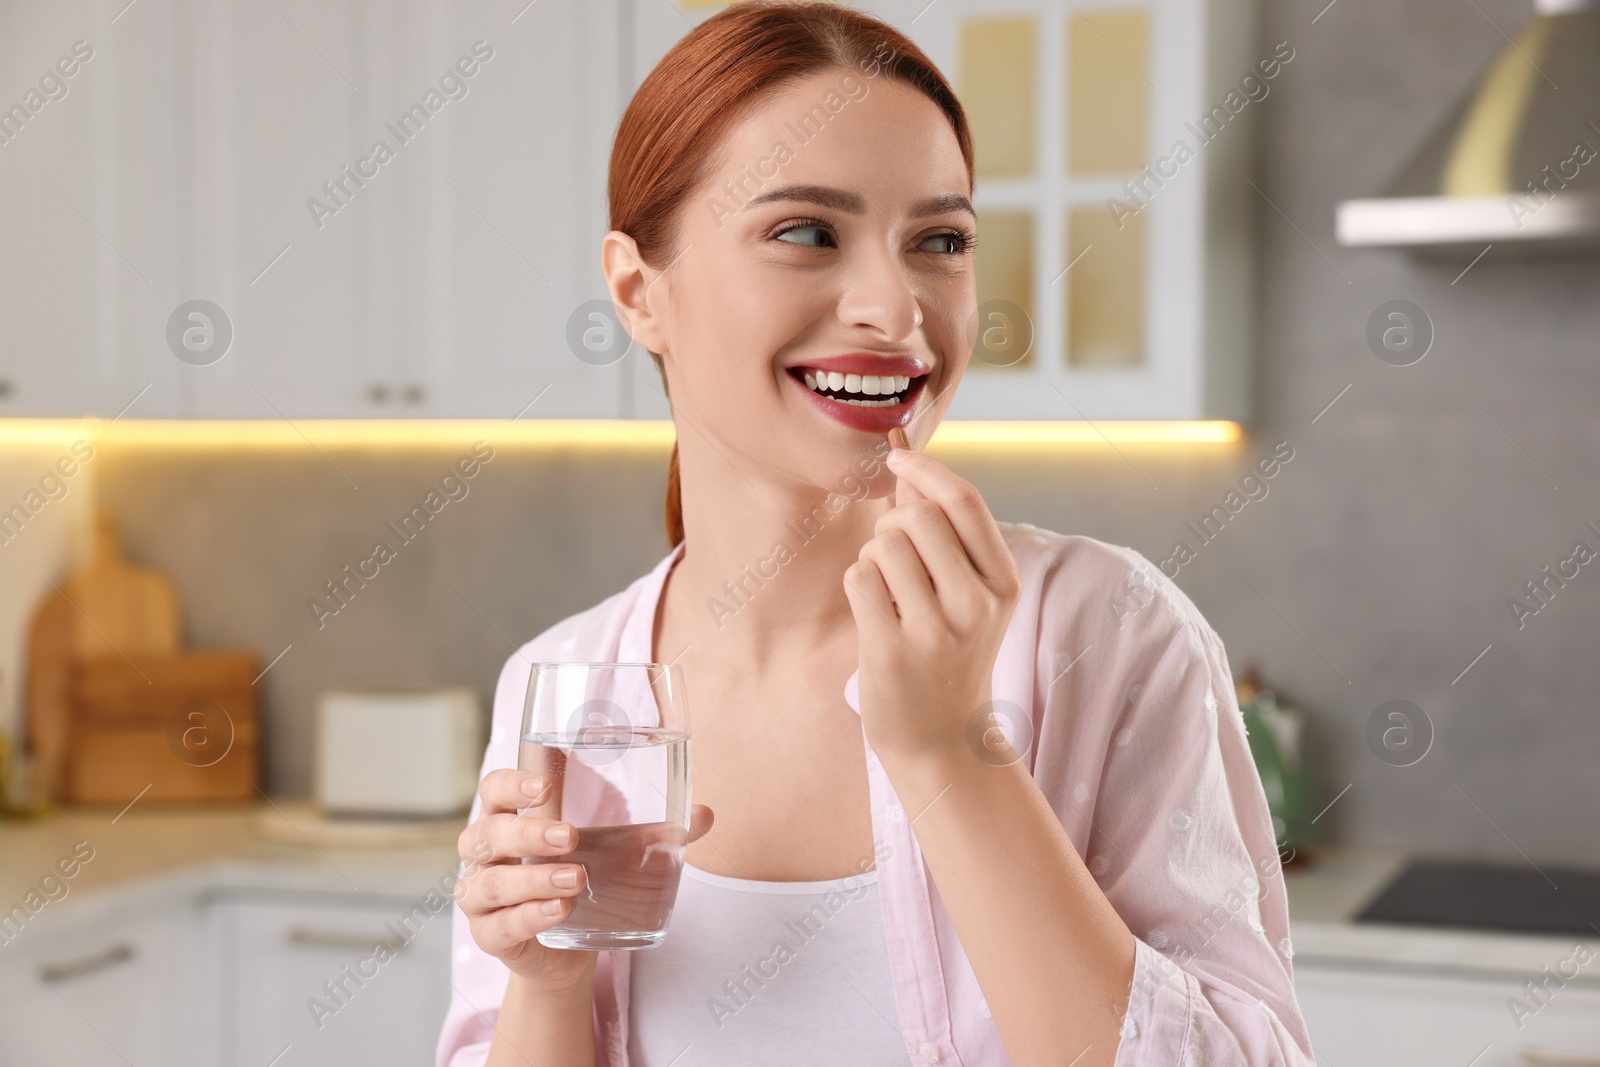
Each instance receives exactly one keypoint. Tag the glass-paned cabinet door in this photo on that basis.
(1095, 261)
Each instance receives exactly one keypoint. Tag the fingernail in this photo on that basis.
(897, 454)
(533, 786)
(551, 907)
(559, 835)
(566, 877)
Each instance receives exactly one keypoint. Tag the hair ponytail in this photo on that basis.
(674, 500)
(672, 126)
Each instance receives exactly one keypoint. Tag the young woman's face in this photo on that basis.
(829, 250)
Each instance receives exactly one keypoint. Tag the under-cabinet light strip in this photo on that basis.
(554, 433)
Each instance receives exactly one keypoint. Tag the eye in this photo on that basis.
(814, 233)
(953, 243)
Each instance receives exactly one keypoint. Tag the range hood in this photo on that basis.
(1517, 161)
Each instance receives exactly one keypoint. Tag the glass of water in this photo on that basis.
(614, 740)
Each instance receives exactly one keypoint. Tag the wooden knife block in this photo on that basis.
(182, 723)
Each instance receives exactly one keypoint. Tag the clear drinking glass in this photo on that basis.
(614, 738)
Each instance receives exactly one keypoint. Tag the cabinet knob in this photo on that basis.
(415, 394)
(6, 388)
(378, 393)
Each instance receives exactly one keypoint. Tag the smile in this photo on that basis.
(870, 402)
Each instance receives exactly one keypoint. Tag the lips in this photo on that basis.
(871, 393)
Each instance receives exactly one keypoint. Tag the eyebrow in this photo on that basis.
(855, 204)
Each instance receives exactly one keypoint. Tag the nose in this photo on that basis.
(878, 295)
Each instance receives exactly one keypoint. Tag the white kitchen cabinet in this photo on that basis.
(284, 956)
(1379, 1016)
(184, 163)
(117, 990)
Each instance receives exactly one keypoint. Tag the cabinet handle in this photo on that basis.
(301, 935)
(1531, 1058)
(121, 952)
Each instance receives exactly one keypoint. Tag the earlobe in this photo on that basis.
(627, 278)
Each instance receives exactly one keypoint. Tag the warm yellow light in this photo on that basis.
(344, 433)
(552, 433)
(975, 432)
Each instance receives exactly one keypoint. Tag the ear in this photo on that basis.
(630, 282)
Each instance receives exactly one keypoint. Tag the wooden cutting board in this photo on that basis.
(120, 609)
(108, 609)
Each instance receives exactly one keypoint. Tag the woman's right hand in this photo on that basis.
(507, 902)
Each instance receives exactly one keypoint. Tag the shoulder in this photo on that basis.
(1100, 589)
(592, 635)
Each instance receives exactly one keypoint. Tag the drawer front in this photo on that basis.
(1394, 1018)
(339, 984)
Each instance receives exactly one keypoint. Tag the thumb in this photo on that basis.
(904, 491)
(700, 819)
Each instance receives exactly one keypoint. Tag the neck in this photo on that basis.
(763, 564)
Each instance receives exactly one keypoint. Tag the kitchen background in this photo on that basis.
(1418, 501)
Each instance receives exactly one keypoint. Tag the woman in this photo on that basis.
(792, 241)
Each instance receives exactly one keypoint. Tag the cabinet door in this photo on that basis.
(113, 992)
(86, 212)
(228, 151)
(304, 976)
(1396, 1019)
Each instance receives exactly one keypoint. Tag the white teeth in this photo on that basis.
(863, 385)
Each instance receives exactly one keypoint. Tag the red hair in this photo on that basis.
(665, 143)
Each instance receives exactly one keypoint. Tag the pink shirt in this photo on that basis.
(1129, 725)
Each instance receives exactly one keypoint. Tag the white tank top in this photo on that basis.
(767, 972)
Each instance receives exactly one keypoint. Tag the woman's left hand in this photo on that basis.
(932, 593)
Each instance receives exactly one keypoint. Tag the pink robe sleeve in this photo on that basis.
(1183, 846)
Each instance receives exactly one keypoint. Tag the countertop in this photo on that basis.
(160, 851)
(157, 852)
(1325, 897)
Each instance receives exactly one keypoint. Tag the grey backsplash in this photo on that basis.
(1378, 566)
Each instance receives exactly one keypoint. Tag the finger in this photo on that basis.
(905, 491)
(904, 573)
(969, 515)
(512, 790)
(507, 885)
(505, 837)
(869, 598)
(941, 551)
(497, 932)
